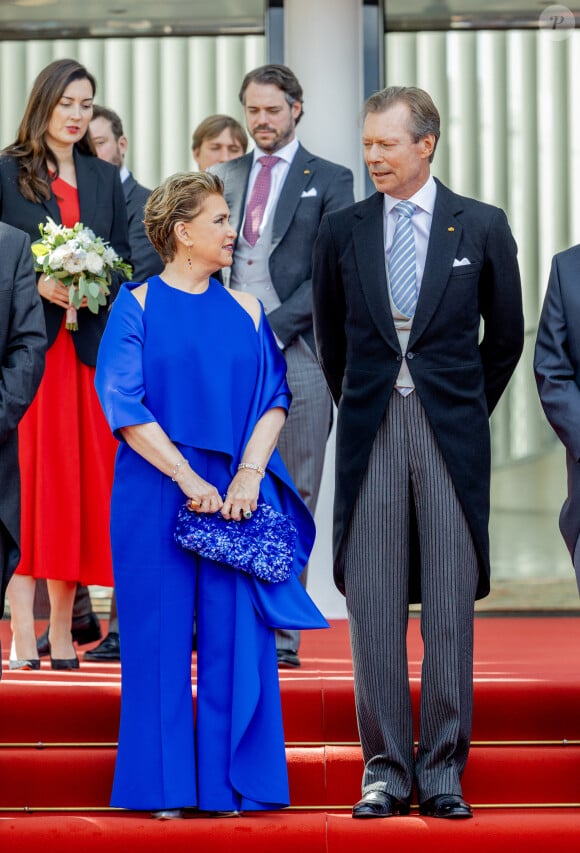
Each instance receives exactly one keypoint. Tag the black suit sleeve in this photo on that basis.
(145, 260)
(500, 294)
(22, 359)
(329, 309)
(119, 234)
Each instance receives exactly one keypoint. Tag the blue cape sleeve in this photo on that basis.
(119, 374)
(284, 605)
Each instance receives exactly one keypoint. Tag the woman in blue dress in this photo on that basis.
(193, 384)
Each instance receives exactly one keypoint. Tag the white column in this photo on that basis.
(323, 46)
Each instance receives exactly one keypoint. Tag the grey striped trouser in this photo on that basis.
(405, 456)
(302, 442)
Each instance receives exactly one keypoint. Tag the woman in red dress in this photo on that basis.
(66, 449)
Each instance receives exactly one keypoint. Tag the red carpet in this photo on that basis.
(58, 734)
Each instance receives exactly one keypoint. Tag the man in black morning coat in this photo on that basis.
(402, 282)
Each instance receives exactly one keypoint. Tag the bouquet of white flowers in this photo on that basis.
(81, 261)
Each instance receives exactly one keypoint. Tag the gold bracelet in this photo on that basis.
(253, 466)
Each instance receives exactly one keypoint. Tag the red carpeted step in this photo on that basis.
(316, 709)
(319, 776)
(507, 775)
(490, 831)
(493, 831)
(527, 687)
(58, 711)
(133, 832)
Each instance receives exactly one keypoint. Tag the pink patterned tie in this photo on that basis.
(259, 199)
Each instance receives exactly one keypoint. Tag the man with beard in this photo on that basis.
(277, 196)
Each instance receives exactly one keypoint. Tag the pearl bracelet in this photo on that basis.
(253, 466)
(176, 468)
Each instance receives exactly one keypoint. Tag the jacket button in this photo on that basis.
(410, 356)
(399, 358)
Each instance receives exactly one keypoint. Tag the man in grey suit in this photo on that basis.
(557, 370)
(401, 283)
(22, 351)
(277, 196)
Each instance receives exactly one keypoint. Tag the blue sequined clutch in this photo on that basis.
(262, 545)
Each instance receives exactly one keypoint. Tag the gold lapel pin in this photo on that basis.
(306, 171)
(451, 228)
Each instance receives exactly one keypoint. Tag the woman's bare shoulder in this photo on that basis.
(249, 303)
(140, 293)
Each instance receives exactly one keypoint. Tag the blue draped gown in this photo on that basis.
(196, 364)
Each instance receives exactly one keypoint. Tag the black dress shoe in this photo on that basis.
(287, 659)
(380, 804)
(85, 630)
(446, 805)
(108, 649)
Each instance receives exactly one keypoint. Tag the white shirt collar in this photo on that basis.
(287, 153)
(124, 173)
(424, 198)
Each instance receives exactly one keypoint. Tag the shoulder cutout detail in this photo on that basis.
(140, 294)
(250, 304)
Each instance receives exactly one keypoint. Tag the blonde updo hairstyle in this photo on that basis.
(178, 199)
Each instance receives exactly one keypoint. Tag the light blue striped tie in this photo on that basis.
(402, 267)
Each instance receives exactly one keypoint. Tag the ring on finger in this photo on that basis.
(247, 513)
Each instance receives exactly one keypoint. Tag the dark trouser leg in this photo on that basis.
(449, 573)
(377, 596)
(302, 442)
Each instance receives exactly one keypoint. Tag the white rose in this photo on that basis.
(94, 263)
(51, 228)
(109, 256)
(75, 261)
(57, 258)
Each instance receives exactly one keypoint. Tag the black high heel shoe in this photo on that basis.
(64, 663)
(24, 664)
(86, 629)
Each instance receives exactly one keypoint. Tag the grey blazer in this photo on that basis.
(312, 188)
(22, 351)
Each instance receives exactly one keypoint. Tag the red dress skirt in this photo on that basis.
(67, 454)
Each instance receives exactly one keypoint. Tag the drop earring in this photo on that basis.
(189, 258)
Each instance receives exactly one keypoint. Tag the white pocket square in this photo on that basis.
(461, 263)
(311, 193)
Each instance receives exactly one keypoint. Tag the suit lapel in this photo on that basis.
(369, 242)
(52, 208)
(443, 243)
(300, 173)
(128, 185)
(237, 187)
(87, 183)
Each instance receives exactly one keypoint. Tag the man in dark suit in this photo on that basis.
(277, 196)
(22, 350)
(557, 370)
(401, 283)
(111, 145)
